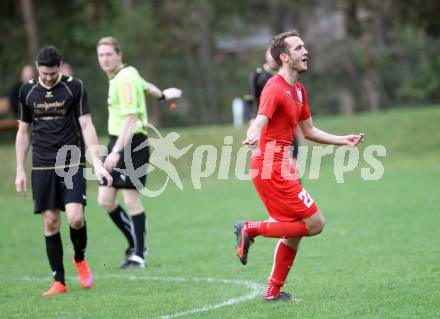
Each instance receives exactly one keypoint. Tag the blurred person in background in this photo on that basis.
(66, 69)
(27, 73)
(257, 81)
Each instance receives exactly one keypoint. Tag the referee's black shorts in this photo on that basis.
(138, 158)
(50, 191)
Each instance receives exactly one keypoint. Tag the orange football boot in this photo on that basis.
(57, 288)
(84, 273)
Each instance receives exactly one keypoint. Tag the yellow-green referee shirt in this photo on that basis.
(126, 97)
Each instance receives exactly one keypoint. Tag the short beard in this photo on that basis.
(49, 84)
(295, 66)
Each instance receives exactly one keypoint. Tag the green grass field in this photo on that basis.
(379, 256)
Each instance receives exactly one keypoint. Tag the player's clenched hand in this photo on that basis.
(21, 183)
(102, 173)
(253, 134)
(172, 93)
(354, 139)
(251, 141)
(111, 161)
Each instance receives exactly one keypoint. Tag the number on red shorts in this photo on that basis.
(305, 197)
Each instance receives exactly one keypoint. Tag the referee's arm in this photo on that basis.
(167, 94)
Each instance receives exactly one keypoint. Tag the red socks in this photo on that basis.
(277, 229)
(283, 261)
(284, 255)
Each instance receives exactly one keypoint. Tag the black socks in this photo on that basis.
(123, 222)
(140, 232)
(54, 250)
(79, 241)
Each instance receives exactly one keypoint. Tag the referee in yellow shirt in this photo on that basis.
(127, 125)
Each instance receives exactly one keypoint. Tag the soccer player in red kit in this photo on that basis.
(293, 213)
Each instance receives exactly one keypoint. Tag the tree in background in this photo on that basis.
(27, 13)
(365, 54)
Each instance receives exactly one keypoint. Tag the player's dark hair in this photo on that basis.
(279, 45)
(49, 56)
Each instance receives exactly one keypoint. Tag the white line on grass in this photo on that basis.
(254, 287)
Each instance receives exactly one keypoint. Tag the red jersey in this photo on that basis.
(285, 105)
(276, 182)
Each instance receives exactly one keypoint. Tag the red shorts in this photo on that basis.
(285, 199)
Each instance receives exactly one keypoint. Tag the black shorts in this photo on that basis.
(294, 151)
(50, 191)
(138, 159)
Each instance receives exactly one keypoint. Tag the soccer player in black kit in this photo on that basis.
(54, 108)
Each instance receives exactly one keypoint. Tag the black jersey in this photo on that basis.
(257, 81)
(53, 113)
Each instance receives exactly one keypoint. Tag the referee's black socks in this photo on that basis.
(79, 241)
(123, 222)
(139, 225)
(54, 250)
